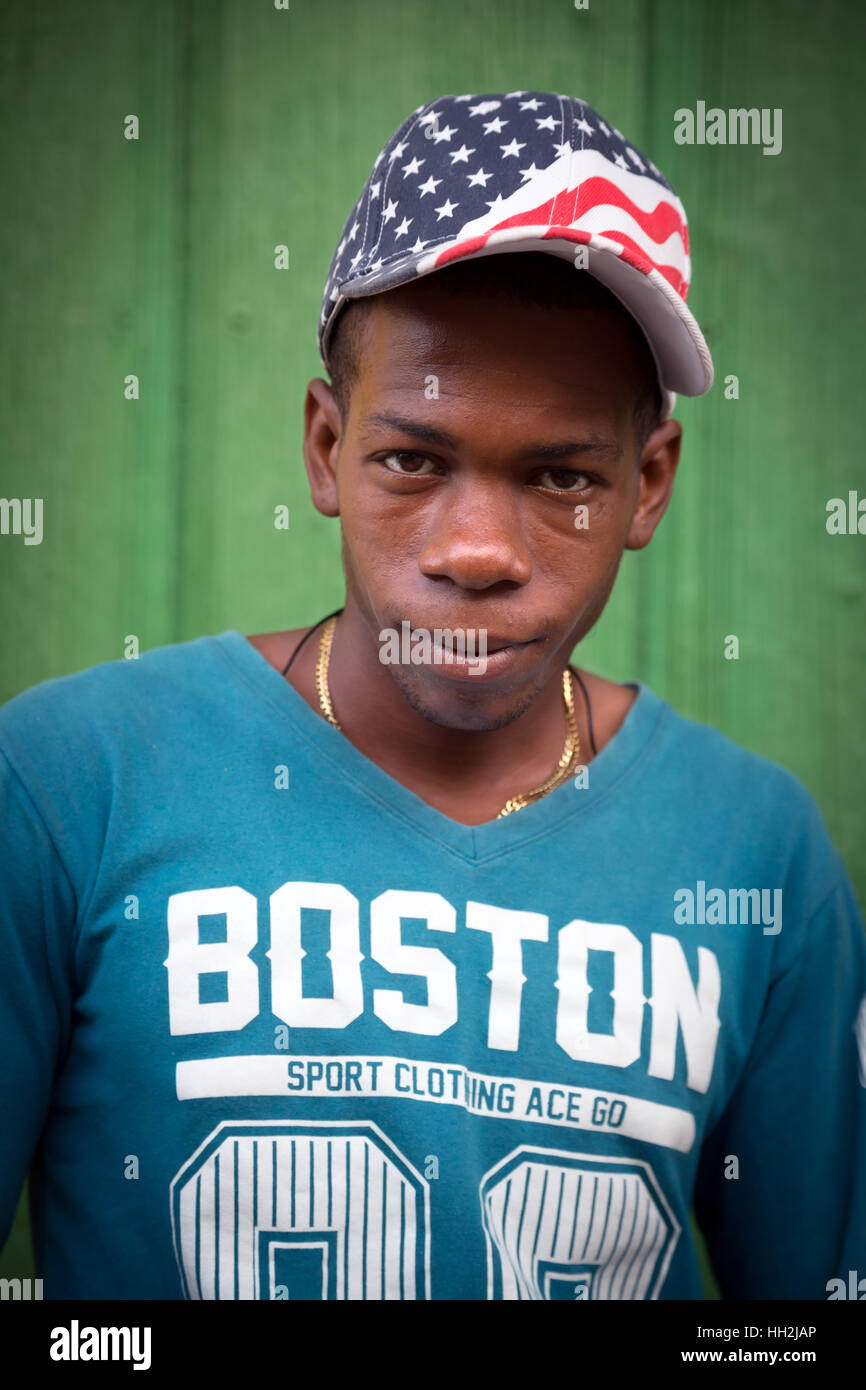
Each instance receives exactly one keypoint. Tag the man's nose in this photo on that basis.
(477, 540)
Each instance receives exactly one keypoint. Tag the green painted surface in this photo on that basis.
(258, 127)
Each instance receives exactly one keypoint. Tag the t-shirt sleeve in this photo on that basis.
(790, 1215)
(37, 918)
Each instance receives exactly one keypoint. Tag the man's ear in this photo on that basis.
(322, 433)
(658, 466)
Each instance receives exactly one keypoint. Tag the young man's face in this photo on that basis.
(476, 426)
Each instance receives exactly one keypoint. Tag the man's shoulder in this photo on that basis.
(700, 756)
(747, 798)
(109, 694)
(717, 763)
(699, 733)
(277, 647)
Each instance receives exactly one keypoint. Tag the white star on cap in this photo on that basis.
(562, 149)
(355, 259)
(374, 189)
(494, 126)
(603, 127)
(397, 150)
(460, 156)
(430, 186)
(530, 172)
(354, 231)
(584, 126)
(390, 211)
(419, 245)
(497, 203)
(403, 227)
(531, 105)
(635, 158)
(484, 107)
(547, 123)
(413, 166)
(512, 148)
(620, 161)
(444, 134)
(479, 177)
(446, 210)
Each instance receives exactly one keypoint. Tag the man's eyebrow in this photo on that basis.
(595, 444)
(425, 432)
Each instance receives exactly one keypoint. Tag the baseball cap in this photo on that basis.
(479, 175)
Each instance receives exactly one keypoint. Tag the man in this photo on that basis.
(393, 957)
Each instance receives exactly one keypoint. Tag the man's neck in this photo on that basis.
(467, 775)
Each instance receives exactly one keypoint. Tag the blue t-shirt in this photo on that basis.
(273, 1027)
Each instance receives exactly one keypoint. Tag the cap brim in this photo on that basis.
(680, 351)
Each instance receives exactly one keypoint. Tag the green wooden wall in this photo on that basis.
(258, 126)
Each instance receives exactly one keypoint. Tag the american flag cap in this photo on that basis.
(468, 176)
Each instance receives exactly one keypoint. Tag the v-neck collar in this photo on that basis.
(474, 843)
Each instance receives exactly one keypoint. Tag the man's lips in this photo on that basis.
(472, 651)
(494, 642)
(497, 644)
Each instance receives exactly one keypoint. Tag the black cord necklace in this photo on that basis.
(309, 634)
(572, 669)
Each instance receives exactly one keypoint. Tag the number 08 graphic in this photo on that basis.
(301, 1210)
(574, 1226)
(307, 1210)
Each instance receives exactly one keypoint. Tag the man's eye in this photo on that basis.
(406, 464)
(564, 480)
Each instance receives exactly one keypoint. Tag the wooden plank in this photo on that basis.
(86, 247)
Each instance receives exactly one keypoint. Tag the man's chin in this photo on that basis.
(473, 708)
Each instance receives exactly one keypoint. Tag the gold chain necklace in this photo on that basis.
(570, 752)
